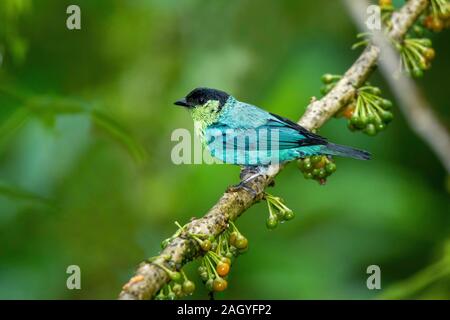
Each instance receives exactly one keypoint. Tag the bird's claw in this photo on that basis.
(241, 186)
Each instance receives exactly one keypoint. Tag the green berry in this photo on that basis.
(206, 245)
(308, 175)
(307, 166)
(271, 223)
(209, 284)
(241, 242)
(188, 287)
(357, 121)
(171, 296)
(232, 239)
(330, 167)
(289, 215)
(364, 120)
(327, 78)
(204, 276)
(177, 289)
(322, 173)
(417, 73)
(234, 251)
(201, 269)
(387, 116)
(316, 159)
(370, 129)
(175, 276)
(386, 104)
(160, 295)
(380, 127)
(371, 118)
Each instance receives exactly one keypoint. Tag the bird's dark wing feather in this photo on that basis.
(312, 137)
(243, 117)
(289, 135)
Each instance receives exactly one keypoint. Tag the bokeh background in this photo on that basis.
(86, 176)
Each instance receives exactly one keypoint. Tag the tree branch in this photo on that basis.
(416, 109)
(150, 278)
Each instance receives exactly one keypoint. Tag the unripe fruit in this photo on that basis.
(429, 54)
(380, 127)
(201, 269)
(322, 173)
(386, 104)
(171, 296)
(188, 287)
(174, 275)
(206, 245)
(308, 175)
(272, 223)
(387, 116)
(177, 289)
(417, 73)
(233, 237)
(315, 159)
(307, 166)
(219, 284)
(330, 167)
(209, 285)
(241, 242)
(289, 215)
(370, 130)
(327, 78)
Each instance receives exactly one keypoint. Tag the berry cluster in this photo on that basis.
(216, 262)
(278, 211)
(218, 253)
(317, 168)
(416, 55)
(178, 287)
(438, 16)
(367, 112)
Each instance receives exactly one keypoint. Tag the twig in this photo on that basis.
(149, 278)
(419, 114)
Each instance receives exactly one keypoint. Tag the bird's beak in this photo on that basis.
(182, 102)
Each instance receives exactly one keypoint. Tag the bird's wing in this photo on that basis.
(246, 120)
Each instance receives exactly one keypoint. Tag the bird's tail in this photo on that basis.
(344, 151)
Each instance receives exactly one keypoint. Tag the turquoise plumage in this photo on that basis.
(243, 134)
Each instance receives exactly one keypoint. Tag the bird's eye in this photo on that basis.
(201, 100)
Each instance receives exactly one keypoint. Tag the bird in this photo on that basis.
(243, 134)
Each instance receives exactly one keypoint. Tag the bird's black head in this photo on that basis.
(200, 96)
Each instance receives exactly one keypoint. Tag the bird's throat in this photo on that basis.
(204, 116)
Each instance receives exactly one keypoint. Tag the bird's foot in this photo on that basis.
(241, 186)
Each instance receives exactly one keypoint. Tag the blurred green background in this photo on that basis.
(86, 176)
